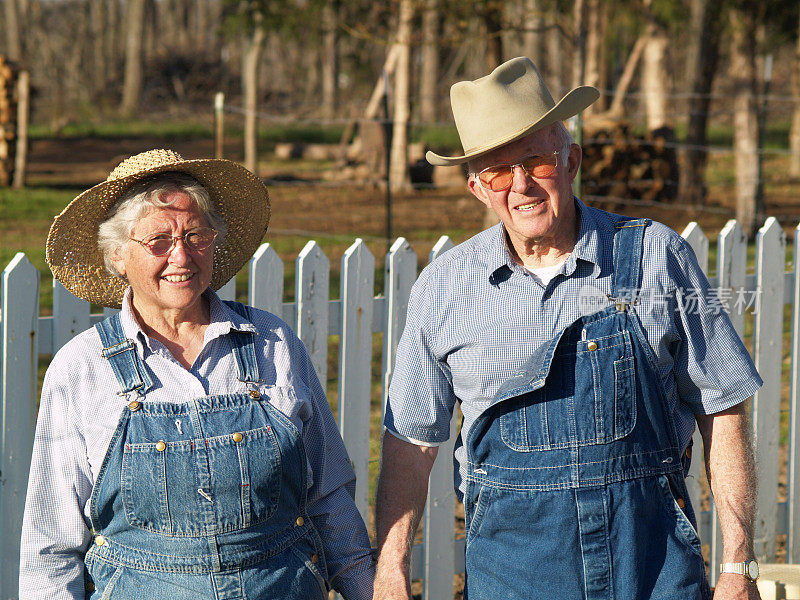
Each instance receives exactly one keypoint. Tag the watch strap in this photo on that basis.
(739, 568)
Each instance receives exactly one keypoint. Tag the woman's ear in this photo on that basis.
(118, 261)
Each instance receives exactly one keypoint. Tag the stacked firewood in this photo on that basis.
(8, 119)
(619, 165)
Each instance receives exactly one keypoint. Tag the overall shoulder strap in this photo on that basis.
(121, 354)
(628, 246)
(243, 345)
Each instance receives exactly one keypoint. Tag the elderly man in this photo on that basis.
(581, 368)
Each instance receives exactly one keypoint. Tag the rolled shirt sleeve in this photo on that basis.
(421, 396)
(712, 368)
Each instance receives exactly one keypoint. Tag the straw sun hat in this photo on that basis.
(238, 196)
(505, 105)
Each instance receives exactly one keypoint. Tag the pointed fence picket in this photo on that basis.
(355, 317)
(20, 330)
(768, 355)
(355, 363)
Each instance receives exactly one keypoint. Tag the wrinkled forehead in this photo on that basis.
(543, 141)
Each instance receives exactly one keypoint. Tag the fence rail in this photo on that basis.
(356, 315)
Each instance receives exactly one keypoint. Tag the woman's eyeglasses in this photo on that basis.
(498, 178)
(163, 243)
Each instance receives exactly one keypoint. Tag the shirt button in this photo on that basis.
(135, 405)
(254, 394)
(237, 437)
(161, 446)
(681, 502)
(300, 521)
(592, 346)
(99, 540)
(314, 558)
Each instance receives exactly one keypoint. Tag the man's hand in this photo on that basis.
(400, 500)
(731, 586)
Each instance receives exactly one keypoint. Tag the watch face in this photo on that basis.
(752, 570)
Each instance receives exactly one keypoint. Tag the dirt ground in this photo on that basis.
(304, 201)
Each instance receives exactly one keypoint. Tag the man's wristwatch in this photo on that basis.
(748, 568)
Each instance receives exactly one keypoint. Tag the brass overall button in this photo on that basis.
(300, 521)
(314, 558)
(681, 502)
(161, 446)
(689, 452)
(592, 346)
(135, 405)
(99, 540)
(254, 394)
(237, 437)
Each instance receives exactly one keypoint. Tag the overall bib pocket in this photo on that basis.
(588, 398)
(245, 482)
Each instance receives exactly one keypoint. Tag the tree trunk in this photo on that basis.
(654, 72)
(398, 171)
(749, 206)
(532, 41)
(100, 59)
(701, 67)
(794, 134)
(555, 44)
(579, 47)
(595, 53)
(493, 23)
(132, 84)
(429, 67)
(250, 64)
(330, 62)
(13, 30)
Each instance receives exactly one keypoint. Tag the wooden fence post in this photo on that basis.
(768, 332)
(312, 277)
(19, 306)
(355, 363)
(439, 525)
(401, 272)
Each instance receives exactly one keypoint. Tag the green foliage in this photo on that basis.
(282, 17)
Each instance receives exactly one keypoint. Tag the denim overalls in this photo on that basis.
(203, 499)
(575, 485)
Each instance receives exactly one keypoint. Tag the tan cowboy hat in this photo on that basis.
(238, 195)
(505, 105)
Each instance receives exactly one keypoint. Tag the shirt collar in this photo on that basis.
(223, 320)
(587, 248)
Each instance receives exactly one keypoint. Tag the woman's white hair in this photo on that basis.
(143, 197)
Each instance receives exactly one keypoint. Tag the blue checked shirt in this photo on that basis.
(475, 316)
(80, 410)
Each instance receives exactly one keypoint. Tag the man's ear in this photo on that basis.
(478, 191)
(574, 161)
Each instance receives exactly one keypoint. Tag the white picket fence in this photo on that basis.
(354, 317)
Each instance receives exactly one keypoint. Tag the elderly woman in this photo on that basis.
(184, 446)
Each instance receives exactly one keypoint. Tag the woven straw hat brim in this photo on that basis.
(570, 105)
(238, 195)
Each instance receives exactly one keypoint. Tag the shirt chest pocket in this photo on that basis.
(589, 397)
